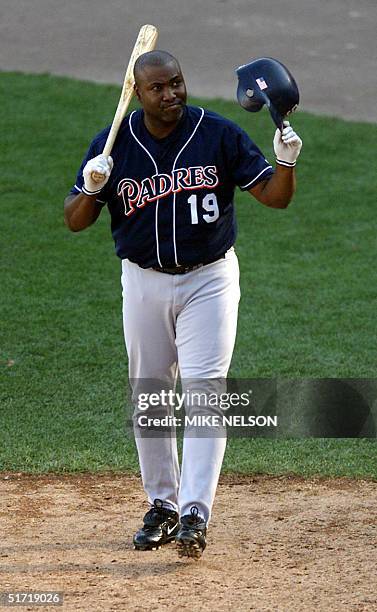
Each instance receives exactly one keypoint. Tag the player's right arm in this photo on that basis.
(81, 209)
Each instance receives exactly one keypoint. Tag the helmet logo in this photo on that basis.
(250, 93)
(262, 83)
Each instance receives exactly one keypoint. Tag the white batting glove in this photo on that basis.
(287, 146)
(102, 164)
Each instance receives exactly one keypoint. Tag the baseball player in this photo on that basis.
(169, 187)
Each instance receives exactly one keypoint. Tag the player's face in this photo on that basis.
(161, 90)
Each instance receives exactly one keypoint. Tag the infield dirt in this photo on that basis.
(274, 543)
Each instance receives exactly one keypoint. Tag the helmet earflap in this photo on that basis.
(250, 99)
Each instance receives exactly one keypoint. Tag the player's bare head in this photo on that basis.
(160, 87)
(153, 59)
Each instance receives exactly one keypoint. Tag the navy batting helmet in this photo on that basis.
(267, 81)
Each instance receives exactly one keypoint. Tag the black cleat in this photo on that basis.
(160, 527)
(191, 537)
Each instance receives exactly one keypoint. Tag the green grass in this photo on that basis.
(307, 278)
(311, 457)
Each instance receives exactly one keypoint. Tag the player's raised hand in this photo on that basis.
(287, 145)
(102, 164)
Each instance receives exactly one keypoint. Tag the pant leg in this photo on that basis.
(149, 331)
(206, 333)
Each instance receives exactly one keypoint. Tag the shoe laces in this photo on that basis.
(193, 518)
(194, 511)
(157, 512)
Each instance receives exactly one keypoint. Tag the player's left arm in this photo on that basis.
(277, 191)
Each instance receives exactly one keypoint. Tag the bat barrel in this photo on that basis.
(146, 41)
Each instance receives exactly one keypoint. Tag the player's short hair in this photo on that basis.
(153, 58)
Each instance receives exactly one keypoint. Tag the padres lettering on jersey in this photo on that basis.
(135, 194)
(171, 200)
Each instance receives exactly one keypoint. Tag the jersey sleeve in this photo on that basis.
(94, 149)
(248, 165)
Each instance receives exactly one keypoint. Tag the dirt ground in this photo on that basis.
(284, 544)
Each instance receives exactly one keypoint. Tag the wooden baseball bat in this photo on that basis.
(146, 41)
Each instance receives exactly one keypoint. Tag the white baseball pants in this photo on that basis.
(189, 322)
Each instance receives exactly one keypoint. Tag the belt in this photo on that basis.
(184, 269)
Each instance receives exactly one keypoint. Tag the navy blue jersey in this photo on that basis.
(171, 199)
